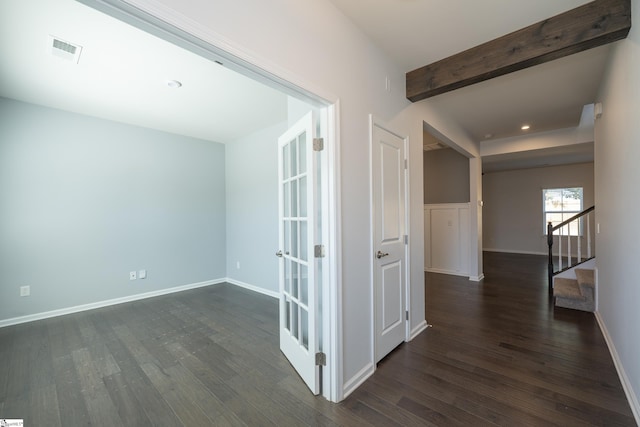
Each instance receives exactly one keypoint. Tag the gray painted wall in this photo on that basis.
(446, 177)
(252, 208)
(512, 211)
(84, 201)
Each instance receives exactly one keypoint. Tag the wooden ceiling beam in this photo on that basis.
(585, 27)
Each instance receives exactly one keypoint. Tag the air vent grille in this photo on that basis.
(65, 50)
(67, 47)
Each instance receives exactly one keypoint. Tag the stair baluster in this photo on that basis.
(577, 221)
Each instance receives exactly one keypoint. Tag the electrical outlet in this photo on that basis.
(132, 275)
(238, 265)
(142, 274)
(25, 291)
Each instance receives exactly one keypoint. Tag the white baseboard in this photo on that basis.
(254, 288)
(418, 329)
(624, 379)
(440, 271)
(105, 303)
(358, 379)
(476, 278)
(511, 251)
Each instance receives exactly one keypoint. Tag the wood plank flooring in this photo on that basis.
(498, 354)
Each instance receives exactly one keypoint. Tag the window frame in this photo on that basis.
(565, 214)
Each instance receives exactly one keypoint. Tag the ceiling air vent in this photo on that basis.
(65, 50)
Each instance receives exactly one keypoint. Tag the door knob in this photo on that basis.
(279, 254)
(381, 254)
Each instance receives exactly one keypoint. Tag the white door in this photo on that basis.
(389, 240)
(297, 231)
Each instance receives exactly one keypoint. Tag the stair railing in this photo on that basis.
(575, 228)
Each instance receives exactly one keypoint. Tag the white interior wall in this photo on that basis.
(617, 203)
(513, 220)
(252, 209)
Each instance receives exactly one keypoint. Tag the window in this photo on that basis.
(560, 204)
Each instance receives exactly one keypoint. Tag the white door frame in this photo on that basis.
(375, 122)
(163, 22)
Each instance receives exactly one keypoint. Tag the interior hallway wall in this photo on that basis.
(616, 176)
(252, 208)
(84, 201)
(446, 177)
(513, 220)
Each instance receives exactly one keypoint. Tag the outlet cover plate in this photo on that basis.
(25, 291)
(132, 275)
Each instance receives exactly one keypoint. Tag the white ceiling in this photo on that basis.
(122, 74)
(549, 96)
(419, 32)
(122, 70)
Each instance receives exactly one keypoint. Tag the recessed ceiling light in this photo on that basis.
(488, 135)
(525, 127)
(174, 83)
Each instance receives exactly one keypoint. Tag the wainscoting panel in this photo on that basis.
(447, 238)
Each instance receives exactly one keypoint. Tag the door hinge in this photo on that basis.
(318, 251)
(405, 164)
(318, 144)
(406, 239)
(321, 359)
(407, 312)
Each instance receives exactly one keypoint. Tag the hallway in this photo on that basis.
(498, 353)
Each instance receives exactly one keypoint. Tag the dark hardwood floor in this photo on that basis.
(498, 354)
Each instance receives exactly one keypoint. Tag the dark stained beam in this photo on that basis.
(585, 27)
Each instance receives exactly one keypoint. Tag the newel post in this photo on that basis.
(550, 265)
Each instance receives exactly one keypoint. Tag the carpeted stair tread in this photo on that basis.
(586, 277)
(567, 288)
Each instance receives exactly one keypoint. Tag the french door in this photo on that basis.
(297, 175)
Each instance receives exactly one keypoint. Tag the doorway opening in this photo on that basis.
(328, 306)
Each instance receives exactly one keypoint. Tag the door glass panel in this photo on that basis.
(295, 279)
(294, 319)
(303, 196)
(286, 225)
(294, 158)
(303, 240)
(286, 190)
(304, 286)
(294, 238)
(302, 144)
(304, 328)
(288, 315)
(287, 276)
(294, 198)
(286, 170)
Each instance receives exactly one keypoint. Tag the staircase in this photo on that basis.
(578, 293)
(571, 279)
